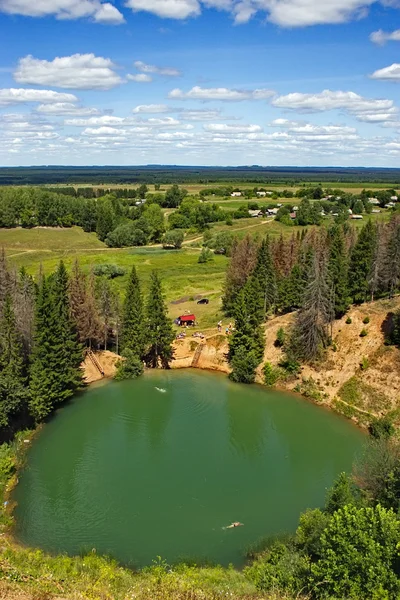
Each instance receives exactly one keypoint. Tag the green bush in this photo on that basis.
(381, 428)
(290, 366)
(271, 374)
(280, 338)
(366, 320)
(364, 364)
(109, 271)
(348, 321)
(364, 333)
(282, 568)
(173, 239)
(205, 256)
(244, 365)
(359, 555)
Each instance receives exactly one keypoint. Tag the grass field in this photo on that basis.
(185, 280)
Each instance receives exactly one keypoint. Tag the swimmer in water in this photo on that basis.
(235, 524)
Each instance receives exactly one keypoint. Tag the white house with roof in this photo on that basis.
(236, 194)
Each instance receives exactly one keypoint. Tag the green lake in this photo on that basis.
(159, 466)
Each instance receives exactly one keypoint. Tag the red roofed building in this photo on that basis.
(187, 320)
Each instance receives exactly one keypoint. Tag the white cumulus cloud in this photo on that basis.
(391, 73)
(66, 109)
(171, 9)
(167, 71)
(285, 13)
(224, 94)
(10, 96)
(79, 71)
(381, 37)
(151, 109)
(330, 100)
(64, 9)
(140, 78)
(107, 120)
(223, 128)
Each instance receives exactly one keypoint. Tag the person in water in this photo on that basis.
(235, 524)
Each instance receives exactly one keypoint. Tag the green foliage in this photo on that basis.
(281, 568)
(109, 270)
(342, 493)
(244, 364)
(361, 262)
(364, 364)
(159, 332)
(271, 374)
(382, 427)
(129, 368)
(366, 320)
(133, 336)
(13, 392)
(363, 333)
(349, 321)
(338, 270)
(173, 238)
(205, 256)
(265, 277)
(359, 551)
(55, 373)
(280, 338)
(308, 534)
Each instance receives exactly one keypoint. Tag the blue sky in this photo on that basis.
(208, 82)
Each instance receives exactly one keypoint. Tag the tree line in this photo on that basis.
(317, 273)
(350, 547)
(47, 324)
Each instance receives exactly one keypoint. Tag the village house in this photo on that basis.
(375, 211)
(272, 211)
(374, 201)
(255, 213)
(262, 194)
(356, 217)
(236, 194)
(394, 198)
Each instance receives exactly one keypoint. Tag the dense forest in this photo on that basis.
(194, 174)
(319, 274)
(47, 325)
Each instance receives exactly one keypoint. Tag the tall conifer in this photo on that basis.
(361, 261)
(338, 271)
(13, 394)
(264, 273)
(133, 330)
(160, 334)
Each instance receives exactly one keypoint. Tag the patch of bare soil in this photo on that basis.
(106, 361)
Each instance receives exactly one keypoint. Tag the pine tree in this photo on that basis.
(13, 394)
(361, 261)
(338, 271)
(311, 330)
(160, 334)
(264, 273)
(133, 330)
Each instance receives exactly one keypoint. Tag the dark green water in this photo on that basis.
(138, 473)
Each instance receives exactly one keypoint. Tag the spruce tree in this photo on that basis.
(264, 273)
(311, 330)
(338, 271)
(160, 334)
(133, 330)
(83, 307)
(392, 258)
(246, 345)
(13, 394)
(241, 266)
(57, 354)
(361, 262)
(43, 391)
